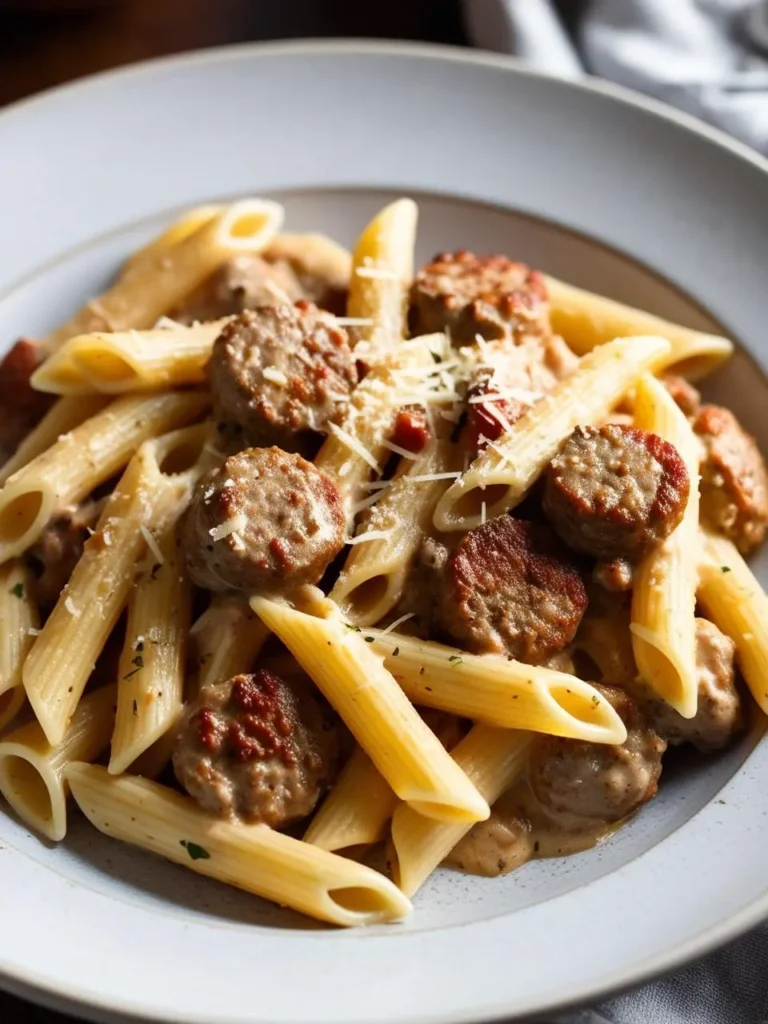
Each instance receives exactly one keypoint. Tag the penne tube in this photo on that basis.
(160, 280)
(150, 687)
(493, 759)
(501, 476)
(355, 451)
(489, 688)
(375, 573)
(19, 622)
(32, 770)
(84, 458)
(252, 857)
(375, 709)
(586, 320)
(145, 499)
(228, 638)
(382, 271)
(11, 703)
(733, 599)
(186, 225)
(664, 590)
(104, 363)
(60, 419)
(356, 811)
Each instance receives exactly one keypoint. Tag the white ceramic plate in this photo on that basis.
(588, 182)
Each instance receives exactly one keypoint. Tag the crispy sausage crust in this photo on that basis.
(734, 483)
(615, 492)
(487, 295)
(510, 588)
(287, 518)
(256, 749)
(578, 782)
(282, 373)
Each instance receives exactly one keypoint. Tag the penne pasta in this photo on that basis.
(104, 363)
(156, 283)
(186, 225)
(356, 811)
(19, 622)
(11, 703)
(146, 498)
(587, 320)
(32, 770)
(355, 451)
(664, 592)
(60, 419)
(382, 271)
(493, 759)
(375, 709)
(228, 638)
(502, 475)
(492, 689)
(152, 665)
(251, 857)
(374, 575)
(84, 458)
(733, 599)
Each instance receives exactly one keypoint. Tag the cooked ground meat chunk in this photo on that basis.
(243, 282)
(578, 782)
(21, 407)
(615, 575)
(734, 484)
(615, 492)
(685, 395)
(719, 714)
(264, 520)
(410, 430)
(282, 373)
(469, 295)
(256, 749)
(424, 582)
(54, 556)
(510, 588)
(494, 847)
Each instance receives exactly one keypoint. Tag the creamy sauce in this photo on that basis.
(517, 831)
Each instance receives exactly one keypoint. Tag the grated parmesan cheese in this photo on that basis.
(33, 632)
(355, 321)
(377, 273)
(233, 525)
(398, 622)
(406, 454)
(518, 394)
(167, 323)
(274, 375)
(428, 477)
(363, 538)
(73, 610)
(355, 446)
(152, 544)
(482, 513)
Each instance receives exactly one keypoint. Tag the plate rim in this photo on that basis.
(25, 983)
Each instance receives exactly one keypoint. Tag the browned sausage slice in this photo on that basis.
(256, 749)
(282, 373)
(21, 407)
(579, 783)
(487, 295)
(509, 587)
(615, 492)
(264, 520)
(734, 483)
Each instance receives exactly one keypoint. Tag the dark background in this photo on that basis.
(46, 42)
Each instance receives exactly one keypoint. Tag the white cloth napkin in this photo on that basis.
(710, 58)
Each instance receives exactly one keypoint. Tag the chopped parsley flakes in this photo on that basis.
(455, 659)
(195, 852)
(18, 590)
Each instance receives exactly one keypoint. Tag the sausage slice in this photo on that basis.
(264, 520)
(256, 749)
(21, 407)
(734, 483)
(580, 783)
(615, 492)
(468, 295)
(282, 373)
(509, 587)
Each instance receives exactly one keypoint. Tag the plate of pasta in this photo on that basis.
(381, 594)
